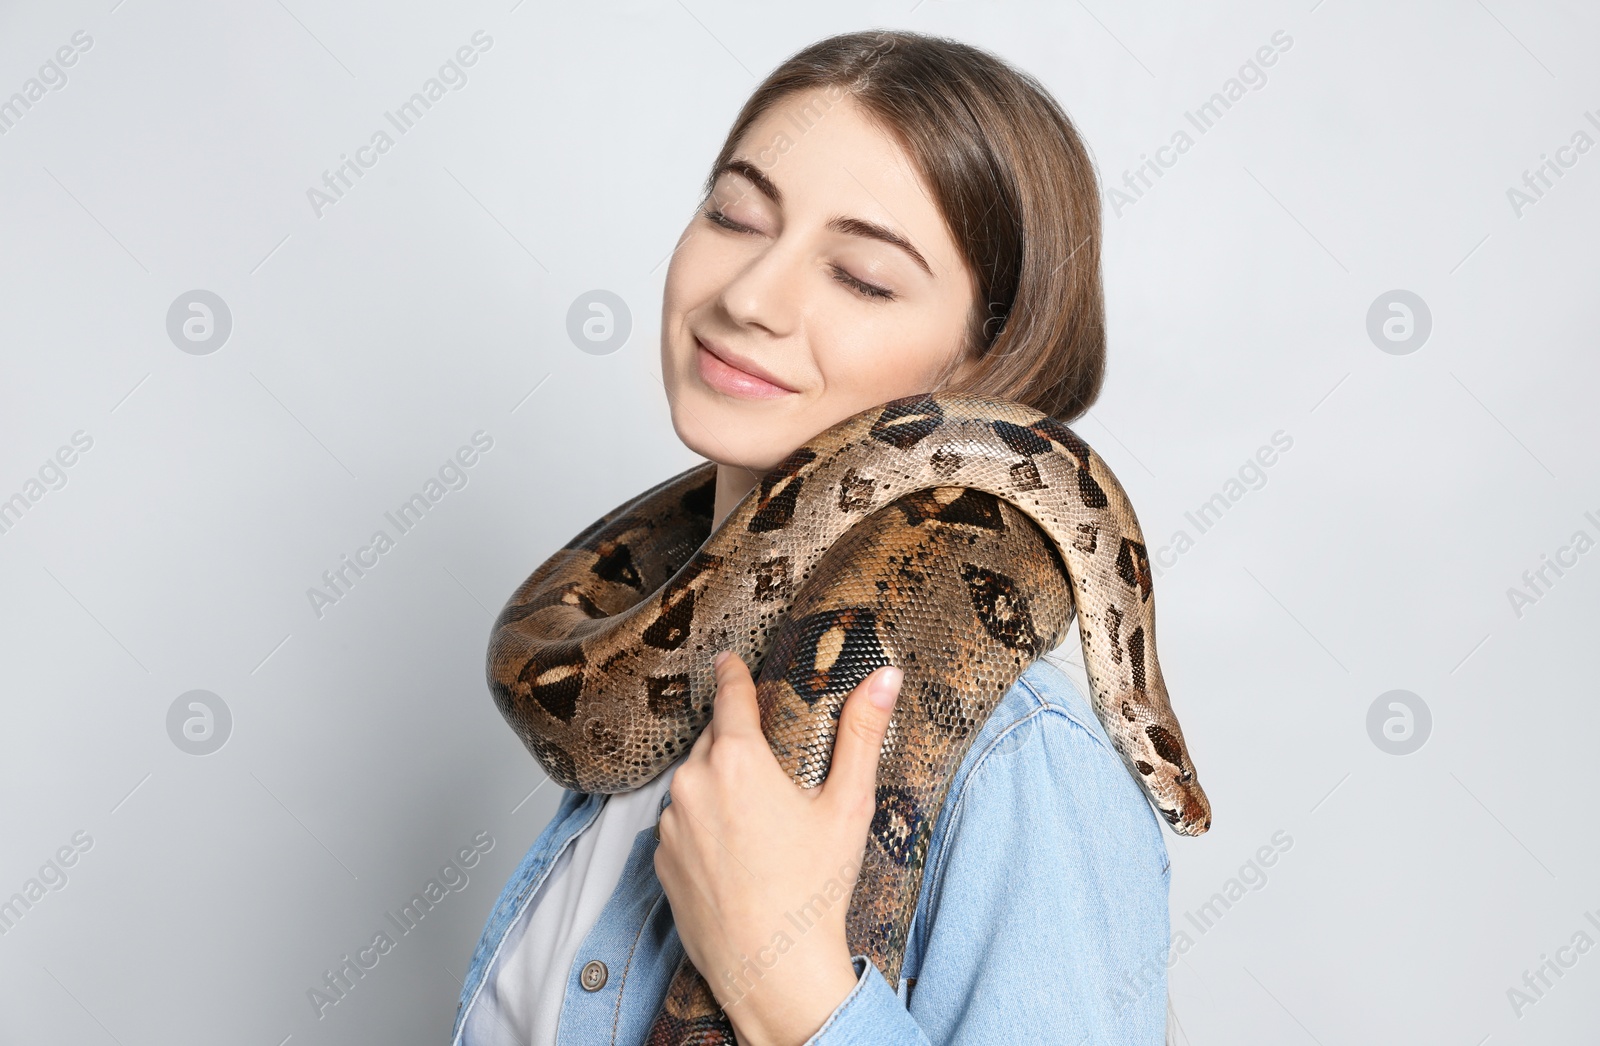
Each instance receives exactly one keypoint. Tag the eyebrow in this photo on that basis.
(839, 223)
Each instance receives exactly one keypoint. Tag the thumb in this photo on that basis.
(852, 776)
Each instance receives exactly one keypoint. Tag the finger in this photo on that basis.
(701, 746)
(734, 712)
(862, 723)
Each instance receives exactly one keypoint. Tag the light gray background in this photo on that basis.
(430, 302)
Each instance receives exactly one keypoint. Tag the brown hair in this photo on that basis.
(1015, 185)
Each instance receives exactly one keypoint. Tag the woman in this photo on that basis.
(891, 213)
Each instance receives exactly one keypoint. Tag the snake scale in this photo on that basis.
(952, 536)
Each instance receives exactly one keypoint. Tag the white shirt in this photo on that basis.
(521, 999)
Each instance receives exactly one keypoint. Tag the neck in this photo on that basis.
(733, 483)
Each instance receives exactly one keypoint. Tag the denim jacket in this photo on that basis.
(1042, 915)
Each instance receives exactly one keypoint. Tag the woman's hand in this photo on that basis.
(758, 871)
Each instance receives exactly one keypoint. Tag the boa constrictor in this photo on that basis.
(951, 536)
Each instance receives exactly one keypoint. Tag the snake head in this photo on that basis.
(1192, 814)
(1167, 775)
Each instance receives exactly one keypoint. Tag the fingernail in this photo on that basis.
(716, 662)
(885, 687)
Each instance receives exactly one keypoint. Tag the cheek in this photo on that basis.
(686, 269)
(699, 268)
(675, 291)
(680, 294)
(883, 361)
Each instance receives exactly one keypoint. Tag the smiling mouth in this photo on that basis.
(731, 380)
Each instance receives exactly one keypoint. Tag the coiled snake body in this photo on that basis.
(951, 536)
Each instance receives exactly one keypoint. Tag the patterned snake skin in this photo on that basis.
(951, 536)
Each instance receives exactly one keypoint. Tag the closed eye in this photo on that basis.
(866, 290)
(717, 217)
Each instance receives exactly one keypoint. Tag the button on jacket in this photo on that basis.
(1042, 916)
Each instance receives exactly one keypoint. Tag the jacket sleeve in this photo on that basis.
(1043, 917)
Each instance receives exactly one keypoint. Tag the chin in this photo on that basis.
(714, 429)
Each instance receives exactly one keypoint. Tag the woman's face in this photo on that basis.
(818, 280)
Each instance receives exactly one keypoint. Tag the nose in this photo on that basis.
(767, 291)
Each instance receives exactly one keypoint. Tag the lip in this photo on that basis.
(736, 375)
